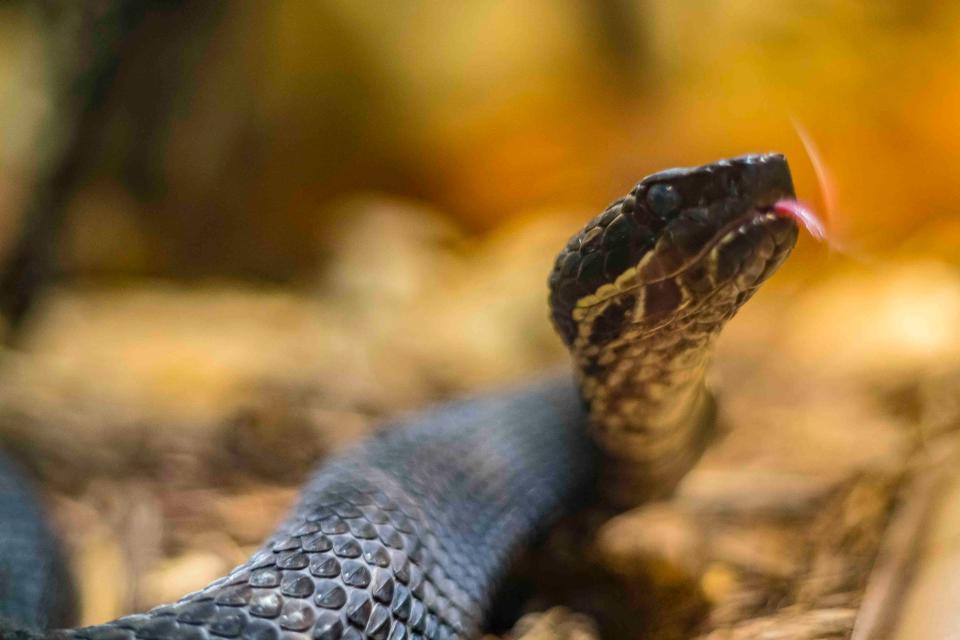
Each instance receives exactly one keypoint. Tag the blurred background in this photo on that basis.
(226, 227)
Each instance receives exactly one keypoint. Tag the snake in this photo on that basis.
(409, 534)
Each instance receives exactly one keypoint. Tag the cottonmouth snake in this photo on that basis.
(408, 534)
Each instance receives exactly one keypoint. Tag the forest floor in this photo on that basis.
(158, 416)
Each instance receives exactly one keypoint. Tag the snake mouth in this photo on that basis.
(697, 239)
(721, 213)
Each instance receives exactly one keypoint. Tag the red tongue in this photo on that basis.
(803, 215)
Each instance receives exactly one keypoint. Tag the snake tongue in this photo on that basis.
(803, 215)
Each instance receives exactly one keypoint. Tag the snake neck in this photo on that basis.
(650, 409)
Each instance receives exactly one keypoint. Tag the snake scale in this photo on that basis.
(408, 535)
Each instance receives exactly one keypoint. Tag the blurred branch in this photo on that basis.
(621, 28)
(894, 567)
(86, 41)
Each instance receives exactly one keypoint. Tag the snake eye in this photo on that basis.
(663, 200)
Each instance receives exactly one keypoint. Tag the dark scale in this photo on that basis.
(697, 280)
(591, 268)
(691, 232)
(297, 586)
(611, 320)
(297, 615)
(186, 632)
(331, 595)
(260, 630)
(266, 604)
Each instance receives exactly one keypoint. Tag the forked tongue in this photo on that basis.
(803, 215)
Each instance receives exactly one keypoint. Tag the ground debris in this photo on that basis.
(556, 624)
(792, 624)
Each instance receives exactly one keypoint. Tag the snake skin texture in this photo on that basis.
(404, 537)
(408, 535)
(34, 586)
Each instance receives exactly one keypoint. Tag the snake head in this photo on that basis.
(679, 238)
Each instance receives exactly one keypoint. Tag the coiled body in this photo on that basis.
(408, 535)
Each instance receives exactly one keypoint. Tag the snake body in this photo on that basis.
(407, 535)
(33, 578)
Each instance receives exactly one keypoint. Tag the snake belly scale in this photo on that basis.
(408, 535)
